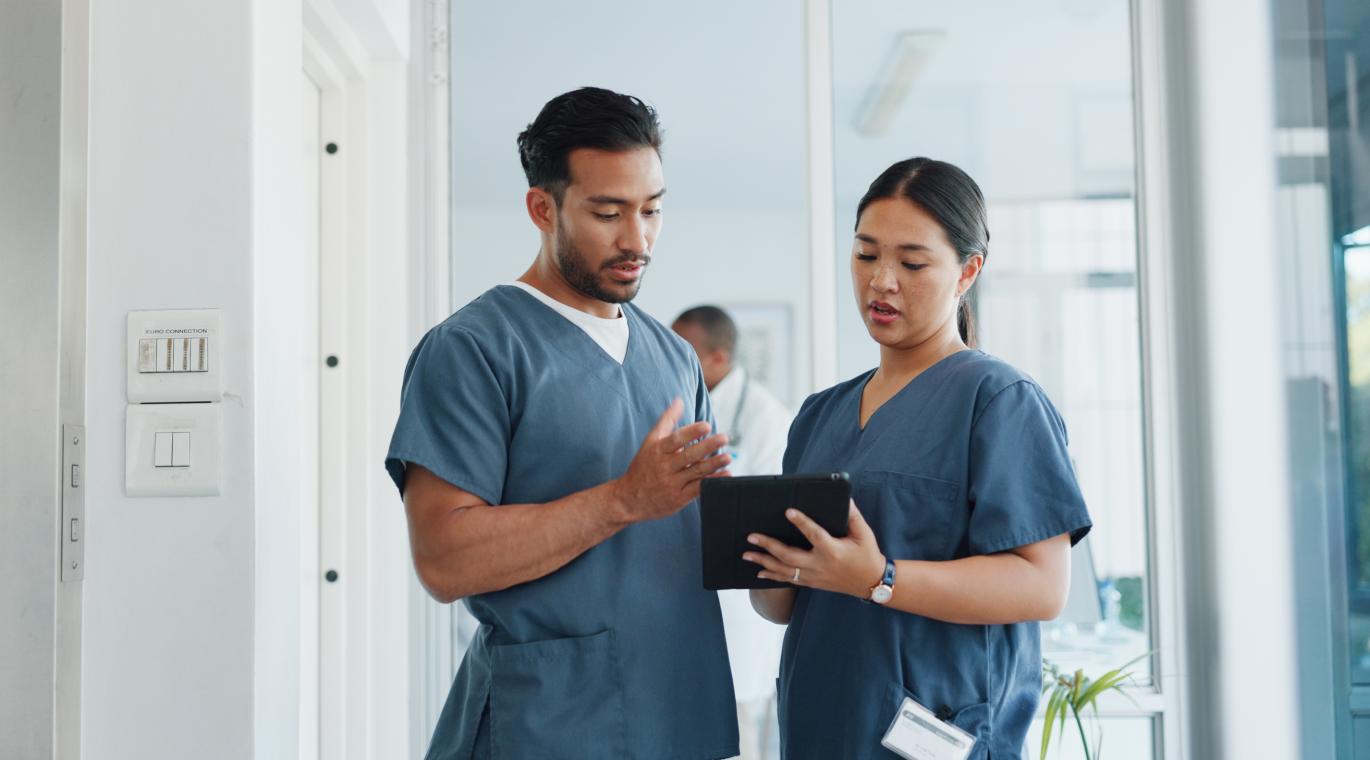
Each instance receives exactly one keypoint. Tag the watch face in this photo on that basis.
(881, 594)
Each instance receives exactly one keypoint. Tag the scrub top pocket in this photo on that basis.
(913, 516)
(553, 699)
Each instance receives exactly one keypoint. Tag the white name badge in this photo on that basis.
(917, 734)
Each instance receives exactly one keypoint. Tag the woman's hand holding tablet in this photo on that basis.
(850, 564)
(735, 509)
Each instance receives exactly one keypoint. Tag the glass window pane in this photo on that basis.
(1043, 122)
(1356, 264)
(1346, 36)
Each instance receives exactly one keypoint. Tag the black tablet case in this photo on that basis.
(733, 508)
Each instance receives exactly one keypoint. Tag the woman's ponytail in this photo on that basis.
(965, 322)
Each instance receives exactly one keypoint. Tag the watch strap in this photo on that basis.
(886, 580)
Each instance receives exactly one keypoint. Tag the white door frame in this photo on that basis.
(434, 643)
(1154, 33)
(361, 631)
(310, 397)
(45, 52)
(323, 684)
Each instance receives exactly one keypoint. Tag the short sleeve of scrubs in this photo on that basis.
(794, 442)
(1022, 482)
(454, 419)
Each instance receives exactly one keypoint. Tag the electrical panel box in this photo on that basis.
(173, 429)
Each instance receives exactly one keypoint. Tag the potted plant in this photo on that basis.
(1074, 693)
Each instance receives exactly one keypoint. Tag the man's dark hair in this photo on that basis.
(719, 329)
(590, 117)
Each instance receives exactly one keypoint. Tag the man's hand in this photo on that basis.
(665, 474)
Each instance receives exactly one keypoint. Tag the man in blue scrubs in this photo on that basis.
(549, 483)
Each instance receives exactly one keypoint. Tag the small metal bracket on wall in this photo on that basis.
(73, 526)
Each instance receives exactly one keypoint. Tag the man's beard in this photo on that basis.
(578, 273)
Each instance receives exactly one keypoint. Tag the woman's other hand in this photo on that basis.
(850, 565)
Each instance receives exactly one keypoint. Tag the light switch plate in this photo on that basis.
(174, 355)
(142, 476)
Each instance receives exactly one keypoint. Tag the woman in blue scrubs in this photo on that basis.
(968, 503)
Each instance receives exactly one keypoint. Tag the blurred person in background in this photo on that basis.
(756, 423)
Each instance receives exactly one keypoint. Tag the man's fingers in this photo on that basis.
(690, 491)
(715, 463)
(667, 421)
(713, 467)
(691, 432)
(706, 448)
(811, 530)
(708, 467)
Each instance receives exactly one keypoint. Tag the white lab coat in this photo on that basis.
(757, 439)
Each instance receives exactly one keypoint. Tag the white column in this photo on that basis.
(822, 261)
(1236, 500)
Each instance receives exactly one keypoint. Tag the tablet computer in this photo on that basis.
(733, 508)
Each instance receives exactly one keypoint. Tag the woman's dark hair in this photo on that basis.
(590, 117)
(953, 199)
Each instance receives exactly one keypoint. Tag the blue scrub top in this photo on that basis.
(969, 458)
(621, 652)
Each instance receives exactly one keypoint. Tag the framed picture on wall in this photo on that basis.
(765, 344)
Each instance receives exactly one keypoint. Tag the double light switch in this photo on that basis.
(171, 450)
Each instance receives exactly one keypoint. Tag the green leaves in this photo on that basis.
(1070, 695)
(1054, 708)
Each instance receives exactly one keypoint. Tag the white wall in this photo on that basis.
(192, 643)
(390, 573)
(1230, 399)
(169, 581)
(279, 267)
(382, 26)
(1238, 284)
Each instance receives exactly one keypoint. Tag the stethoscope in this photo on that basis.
(735, 434)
